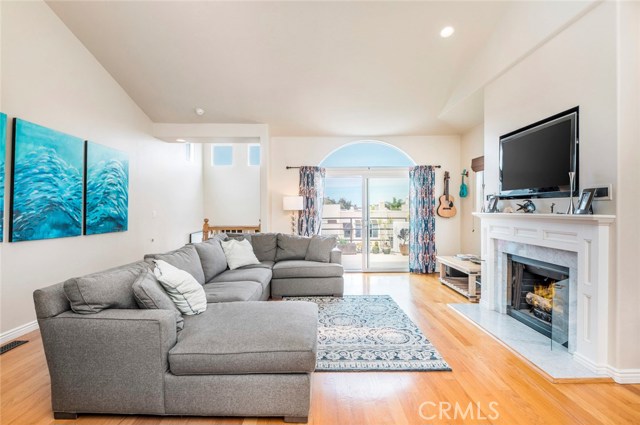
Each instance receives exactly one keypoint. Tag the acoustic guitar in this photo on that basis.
(446, 208)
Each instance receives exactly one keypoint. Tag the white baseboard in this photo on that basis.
(624, 376)
(593, 367)
(621, 376)
(18, 332)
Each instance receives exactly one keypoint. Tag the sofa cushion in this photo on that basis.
(212, 258)
(150, 295)
(107, 289)
(251, 337)
(262, 265)
(183, 289)
(239, 236)
(265, 246)
(185, 258)
(238, 253)
(320, 248)
(291, 247)
(223, 292)
(260, 275)
(301, 268)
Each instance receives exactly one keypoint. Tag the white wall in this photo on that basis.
(48, 77)
(231, 193)
(471, 146)
(594, 64)
(424, 150)
(627, 296)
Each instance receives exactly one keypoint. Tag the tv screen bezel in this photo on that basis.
(540, 192)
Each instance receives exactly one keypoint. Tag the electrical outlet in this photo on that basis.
(603, 192)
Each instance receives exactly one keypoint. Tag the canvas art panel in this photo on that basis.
(46, 195)
(3, 145)
(107, 190)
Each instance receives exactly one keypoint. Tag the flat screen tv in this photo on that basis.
(535, 160)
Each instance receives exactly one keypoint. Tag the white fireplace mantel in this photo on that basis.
(589, 237)
(561, 218)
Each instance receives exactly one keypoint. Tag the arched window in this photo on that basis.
(367, 154)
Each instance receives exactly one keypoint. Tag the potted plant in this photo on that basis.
(347, 248)
(386, 248)
(403, 239)
(376, 248)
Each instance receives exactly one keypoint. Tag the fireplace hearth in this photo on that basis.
(538, 296)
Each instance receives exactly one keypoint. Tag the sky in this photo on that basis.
(380, 189)
(367, 154)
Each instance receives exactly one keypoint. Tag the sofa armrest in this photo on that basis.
(109, 362)
(336, 256)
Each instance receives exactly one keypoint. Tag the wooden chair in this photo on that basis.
(208, 230)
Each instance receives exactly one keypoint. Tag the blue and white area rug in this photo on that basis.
(370, 332)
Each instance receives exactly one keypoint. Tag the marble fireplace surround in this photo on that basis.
(579, 242)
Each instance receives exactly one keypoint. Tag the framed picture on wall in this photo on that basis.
(107, 190)
(3, 142)
(46, 184)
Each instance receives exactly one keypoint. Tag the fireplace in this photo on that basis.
(538, 296)
(580, 243)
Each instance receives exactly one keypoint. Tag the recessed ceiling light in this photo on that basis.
(180, 140)
(199, 111)
(447, 32)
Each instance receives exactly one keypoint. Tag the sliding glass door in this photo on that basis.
(342, 216)
(388, 223)
(368, 212)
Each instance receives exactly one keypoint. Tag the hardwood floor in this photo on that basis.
(488, 384)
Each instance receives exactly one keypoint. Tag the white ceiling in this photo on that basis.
(303, 68)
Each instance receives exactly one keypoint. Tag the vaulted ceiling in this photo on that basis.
(303, 68)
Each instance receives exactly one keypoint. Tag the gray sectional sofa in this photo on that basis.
(110, 349)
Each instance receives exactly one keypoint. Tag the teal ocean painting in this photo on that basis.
(47, 183)
(3, 146)
(107, 190)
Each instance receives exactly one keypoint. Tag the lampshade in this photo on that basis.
(292, 203)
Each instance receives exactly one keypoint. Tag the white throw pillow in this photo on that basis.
(239, 253)
(183, 289)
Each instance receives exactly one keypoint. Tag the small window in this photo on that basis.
(253, 152)
(189, 152)
(221, 155)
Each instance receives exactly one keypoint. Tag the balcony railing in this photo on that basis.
(350, 229)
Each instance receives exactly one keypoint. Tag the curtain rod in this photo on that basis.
(288, 167)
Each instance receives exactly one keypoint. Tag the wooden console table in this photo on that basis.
(465, 285)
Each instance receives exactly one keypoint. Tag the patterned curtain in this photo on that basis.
(422, 221)
(312, 189)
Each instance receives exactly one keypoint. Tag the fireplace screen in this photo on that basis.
(538, 296)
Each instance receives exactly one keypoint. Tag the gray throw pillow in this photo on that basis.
(150, 295)
(108, 289)
(265, 246)
(185, 258)
(238, 236)
(211, 257)
(292, 247)
(320, 248)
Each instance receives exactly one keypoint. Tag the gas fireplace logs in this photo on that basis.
(539, 302)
